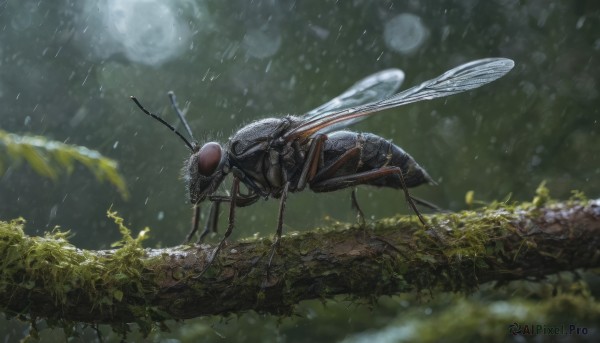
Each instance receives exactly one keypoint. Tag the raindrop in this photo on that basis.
(86, 76)
(292, 82)
(161, 215)
(116, 144)
(79, 116)
(445, 32)
(205, 74)
(261, 43)
(538, 57)
(53, 212)
(320, 32)
(528, 88)
(405, 33)
(580, 23)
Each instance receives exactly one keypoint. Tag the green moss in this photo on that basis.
(542, 195)
(54, 266)
(470, 198)
(578, 196)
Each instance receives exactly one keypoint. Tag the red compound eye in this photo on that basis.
(209, 157)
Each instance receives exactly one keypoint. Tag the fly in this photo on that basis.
(276, 156)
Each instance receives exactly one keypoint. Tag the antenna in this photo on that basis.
(189, 145)
(180, 114)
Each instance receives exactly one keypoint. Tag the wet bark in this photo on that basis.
(457, 252)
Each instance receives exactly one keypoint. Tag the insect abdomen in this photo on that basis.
(374, 153)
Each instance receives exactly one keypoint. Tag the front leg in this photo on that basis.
(234, 192)
(211, 222)
(213, 217)
(195, 223)
(242, 200)
(279, 222)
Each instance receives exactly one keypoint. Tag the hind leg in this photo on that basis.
(360, 216)
(346, 181)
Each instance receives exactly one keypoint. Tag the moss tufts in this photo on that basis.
(54, 266)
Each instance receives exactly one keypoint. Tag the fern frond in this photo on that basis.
(50, 158)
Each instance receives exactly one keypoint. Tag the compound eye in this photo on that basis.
(209, 157)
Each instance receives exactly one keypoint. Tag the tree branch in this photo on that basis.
(46, 277)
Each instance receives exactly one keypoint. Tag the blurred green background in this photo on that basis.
(67, 69)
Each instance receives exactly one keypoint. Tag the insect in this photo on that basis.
(276, 156)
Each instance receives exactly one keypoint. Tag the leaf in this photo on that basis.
(38, 161)
(51, 158)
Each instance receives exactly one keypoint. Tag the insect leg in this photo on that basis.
(213, 217)
(360, 178)
(328, 171)
(428, 204)
(195, 223)
(360, 216)
(410, 199)
(312, 161)
(279, 223)
(212, 221)
(241, 199)
(235, 188)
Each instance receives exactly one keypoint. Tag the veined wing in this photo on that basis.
(368, 90)
(460, 79)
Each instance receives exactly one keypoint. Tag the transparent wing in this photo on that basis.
(370, 89)
(460, 79)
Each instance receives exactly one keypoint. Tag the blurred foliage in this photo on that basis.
(50, 158)
(485, 316)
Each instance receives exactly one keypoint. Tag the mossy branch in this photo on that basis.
(46, 277)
